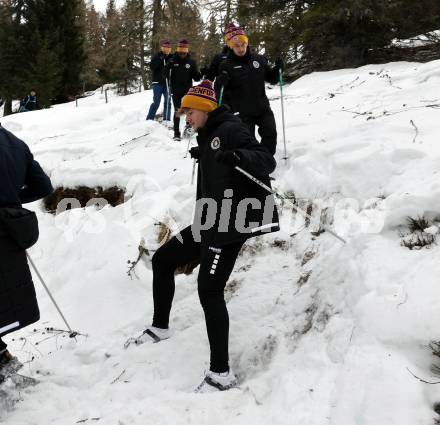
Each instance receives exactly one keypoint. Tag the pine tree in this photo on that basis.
(94, 47)
(115, 55)
(57, 27)
(14, 62)
(338, 34)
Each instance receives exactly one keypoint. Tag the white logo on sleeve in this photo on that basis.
(256, 64)
(215, 144)
(187, 66)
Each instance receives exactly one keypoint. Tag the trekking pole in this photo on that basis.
(282, 112)
(220, 99)
(167, 97)
(72, 334)
(298, 210)
(193, 171)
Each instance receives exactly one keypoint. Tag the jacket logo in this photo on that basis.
(187, 66)
(215, 144)
(256, 64)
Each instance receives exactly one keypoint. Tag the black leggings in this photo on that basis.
(267, 128)
(2, 345)
(216, 265)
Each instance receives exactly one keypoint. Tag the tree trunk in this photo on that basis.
(157, 8)
(142, 48)
(228, 12)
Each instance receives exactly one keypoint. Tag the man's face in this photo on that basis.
(183, 54)
(166, 50)
(33, 93)
(239, 48)
(196, 119)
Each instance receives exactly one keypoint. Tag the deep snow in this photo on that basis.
(335, 348)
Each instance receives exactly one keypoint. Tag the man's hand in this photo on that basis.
(204, 70)
(223, 79)
(228, 157)
(279, 63)
(195, 152)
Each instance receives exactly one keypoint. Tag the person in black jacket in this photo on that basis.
(182, 70)
(230, 208)
(243, 75)
(210, 72)
(29, 103)
(159, 83)
(21, 181)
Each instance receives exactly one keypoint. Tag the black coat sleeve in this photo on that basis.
(214, 67)
(156, 62)
(37, 183)
(254, 157)
(271, 75)
(223, 66)
(195, 73)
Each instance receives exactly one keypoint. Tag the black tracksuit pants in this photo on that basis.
(2, 345)
(216, 265)
(267, 128)
(177, 100)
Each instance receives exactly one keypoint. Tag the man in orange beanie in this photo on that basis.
(182, 70)
(243, 75)
(219, 231)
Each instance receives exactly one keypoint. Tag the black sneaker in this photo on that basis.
(177, 137)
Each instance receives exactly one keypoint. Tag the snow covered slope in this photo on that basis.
(321, 332)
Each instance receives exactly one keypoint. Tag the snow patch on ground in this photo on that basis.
(320, 332)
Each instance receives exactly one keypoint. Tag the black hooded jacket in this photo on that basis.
(246, 91)
(183, 72)
(157, 64)
(214, 66)
(252, 208)
(21, 180)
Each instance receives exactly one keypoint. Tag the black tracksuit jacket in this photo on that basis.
(157, 64)
(246, 91)
(225, 131)
(183, 72)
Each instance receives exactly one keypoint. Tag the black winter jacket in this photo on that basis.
(246, 91)
(183, 72)
(225, 131)
(157, 64)
(21, 180)
(213, 68)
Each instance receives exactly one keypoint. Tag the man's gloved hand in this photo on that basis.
(279, 63)
(228, 157)
(223, 79)
(195, 152)
(204, 70)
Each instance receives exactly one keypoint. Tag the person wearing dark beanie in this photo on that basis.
(182, 70)
(242, 76)
(215, 238)
(159, 83)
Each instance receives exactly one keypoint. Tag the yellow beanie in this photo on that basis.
(201, 97)
(234, 34)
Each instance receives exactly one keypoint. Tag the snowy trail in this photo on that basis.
(321, 333)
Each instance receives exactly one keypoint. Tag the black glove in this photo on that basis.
(228, 157)
(279, 63)
(195, 152)
(204, 70)
(223, 79)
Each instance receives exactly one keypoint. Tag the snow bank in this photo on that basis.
(320, 332)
